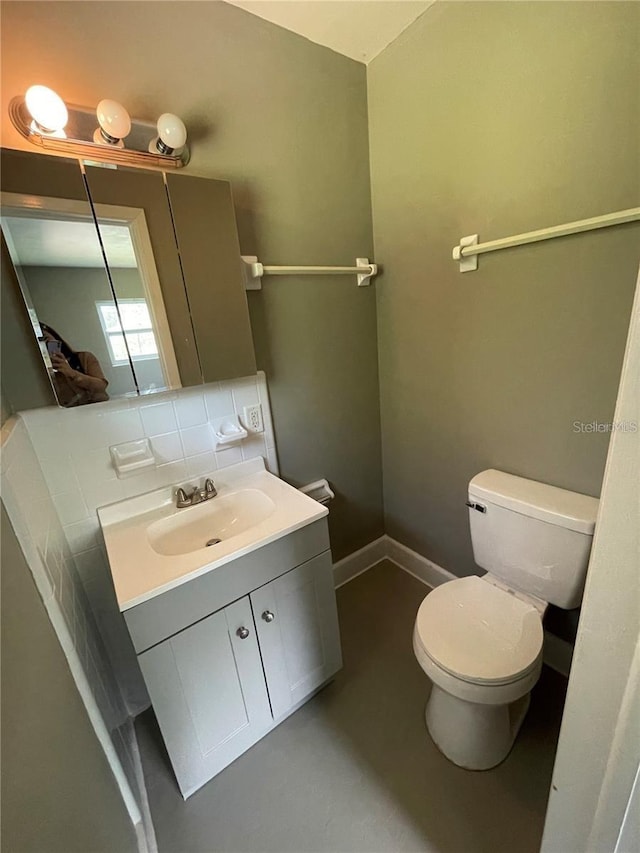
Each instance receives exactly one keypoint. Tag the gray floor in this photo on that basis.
(354, 769)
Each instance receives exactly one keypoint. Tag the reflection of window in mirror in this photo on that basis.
(131, 316)
(135, 326)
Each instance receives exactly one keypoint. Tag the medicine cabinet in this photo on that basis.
(126, 274)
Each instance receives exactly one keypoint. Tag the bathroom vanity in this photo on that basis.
(231, 638)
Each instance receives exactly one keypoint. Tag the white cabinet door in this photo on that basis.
(298, 631)
(208, 691)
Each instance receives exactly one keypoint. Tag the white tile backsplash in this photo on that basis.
(203, 463)
(121, 426)
(171, 473)
(230, 455)
(83, 535)
(157, 419)
(71, 507)
(253, 446)
(219, 400)
(197, 439)
(269, 433)
(245, 393)
(101, 492)
(272, 459)
(92, 466)
(90, 565)
(80, 474)
(47, 430)
(167, 447)
(59, 474)
(51, 564)
(190, 409)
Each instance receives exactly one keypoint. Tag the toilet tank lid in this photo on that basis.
(537, 500)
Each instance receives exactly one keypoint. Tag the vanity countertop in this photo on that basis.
(140, 572)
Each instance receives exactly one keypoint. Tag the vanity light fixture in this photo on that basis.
(172, 135)
(47, 109)
(42, 117)
(114, 123)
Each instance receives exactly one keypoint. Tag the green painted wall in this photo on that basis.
(498, 118)
(285, 121)
(5, 410)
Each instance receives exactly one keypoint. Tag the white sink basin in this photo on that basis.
(210, 523)
(153, 546)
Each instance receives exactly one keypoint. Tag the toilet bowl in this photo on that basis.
(481, 646)
(479, 639)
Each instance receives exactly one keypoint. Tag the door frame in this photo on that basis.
(596, 769)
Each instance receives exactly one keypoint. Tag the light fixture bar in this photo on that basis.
(77, 139)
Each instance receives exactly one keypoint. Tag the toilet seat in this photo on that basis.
(479, 632)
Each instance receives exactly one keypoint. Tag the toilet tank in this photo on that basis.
(534, 537)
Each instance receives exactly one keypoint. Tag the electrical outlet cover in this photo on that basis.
(253, 418)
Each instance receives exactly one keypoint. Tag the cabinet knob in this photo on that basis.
(243, 633)
(268, 616)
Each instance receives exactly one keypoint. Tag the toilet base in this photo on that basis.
(471, 735)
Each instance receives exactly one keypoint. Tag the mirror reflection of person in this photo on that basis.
(78, 378)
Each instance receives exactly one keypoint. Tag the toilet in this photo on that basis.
(479, 639)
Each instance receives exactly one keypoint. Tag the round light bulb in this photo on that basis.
(47, 108)
(114, 122)
(172, 134)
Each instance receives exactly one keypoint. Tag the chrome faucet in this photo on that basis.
(196, 495)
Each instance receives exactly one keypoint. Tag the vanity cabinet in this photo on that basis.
(209, 693)
(222, 682)
(298, 633)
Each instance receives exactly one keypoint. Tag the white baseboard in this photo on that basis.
(557, 652)
(415, 564)
(358, 562)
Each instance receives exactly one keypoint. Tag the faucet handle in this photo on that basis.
(209, 487)
(181, 498)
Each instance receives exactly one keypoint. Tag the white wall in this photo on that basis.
(72, 446)
(599, 747)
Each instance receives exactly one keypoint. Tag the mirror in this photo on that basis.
(108, 265)
(141, 197)
(56, 257)
(102, 330)
(129, 322)
(134, 324)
